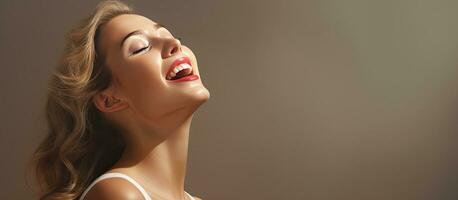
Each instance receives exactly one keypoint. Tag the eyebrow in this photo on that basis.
(138, 32)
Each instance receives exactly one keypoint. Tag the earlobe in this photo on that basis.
(108, 104)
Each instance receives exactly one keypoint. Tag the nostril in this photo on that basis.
(174, 50)
(171, 47)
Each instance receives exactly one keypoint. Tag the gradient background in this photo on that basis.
(316, 99)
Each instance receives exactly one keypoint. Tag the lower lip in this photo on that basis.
(187, 78)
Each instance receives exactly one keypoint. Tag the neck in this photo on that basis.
(159, 162)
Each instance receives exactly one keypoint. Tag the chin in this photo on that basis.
(202, 95)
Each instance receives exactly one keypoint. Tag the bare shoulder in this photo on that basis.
(113, 189)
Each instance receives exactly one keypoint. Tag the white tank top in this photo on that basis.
(124, 176)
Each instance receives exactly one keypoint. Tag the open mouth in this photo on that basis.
(180, 68)
(180, 71)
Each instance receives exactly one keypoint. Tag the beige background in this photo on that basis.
(309, 99)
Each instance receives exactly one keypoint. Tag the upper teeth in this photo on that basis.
(178, 68)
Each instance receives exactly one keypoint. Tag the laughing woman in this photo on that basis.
(119, 111)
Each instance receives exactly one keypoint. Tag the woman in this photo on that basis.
(119, 110)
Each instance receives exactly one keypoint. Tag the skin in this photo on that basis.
(154, 114)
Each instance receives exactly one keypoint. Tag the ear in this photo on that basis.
(106, 102)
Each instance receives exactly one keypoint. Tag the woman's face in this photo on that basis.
(140, 54)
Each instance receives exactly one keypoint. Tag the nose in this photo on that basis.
(171, 47)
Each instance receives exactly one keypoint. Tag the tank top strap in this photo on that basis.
(192, 198)
(124, 176)
(117, 175)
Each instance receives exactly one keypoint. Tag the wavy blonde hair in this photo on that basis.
(80, 144)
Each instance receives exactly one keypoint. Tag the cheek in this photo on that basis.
(142, 72)
(143, 84)
(187, 51)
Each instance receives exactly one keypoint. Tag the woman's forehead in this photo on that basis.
(126, 23)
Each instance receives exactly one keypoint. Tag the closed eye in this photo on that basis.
(140, 50)
(144, 48)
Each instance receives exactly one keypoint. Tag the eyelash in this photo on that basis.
(142, 49)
